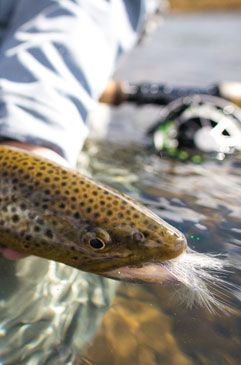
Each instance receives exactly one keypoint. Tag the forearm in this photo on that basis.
(55, 61)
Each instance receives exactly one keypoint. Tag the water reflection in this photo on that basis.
(147, 324)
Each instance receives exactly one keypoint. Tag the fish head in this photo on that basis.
(113, 245)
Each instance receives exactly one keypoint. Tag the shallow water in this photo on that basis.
(50, 311)
(146, 324)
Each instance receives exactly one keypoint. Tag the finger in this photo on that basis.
(11, 254)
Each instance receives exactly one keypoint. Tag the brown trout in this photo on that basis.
(56, 213)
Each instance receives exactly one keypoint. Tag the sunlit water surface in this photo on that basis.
(50, 313)
(146, 324)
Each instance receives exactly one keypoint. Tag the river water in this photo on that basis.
(146, 324)
(52, 314)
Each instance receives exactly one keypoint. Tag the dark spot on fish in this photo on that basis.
(76, 215)
(109, 212)
(47, 179)
(88, 210)
(62, 206)
(49, 233)
(15, 218)
(28, 237)
(95, 193)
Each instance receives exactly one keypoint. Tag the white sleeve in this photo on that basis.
(55, 59)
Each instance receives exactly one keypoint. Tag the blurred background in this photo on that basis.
(196, 5)
(198, 44)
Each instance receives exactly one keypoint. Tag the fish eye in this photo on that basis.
(97, 239)
(97, 243)
(138, 236)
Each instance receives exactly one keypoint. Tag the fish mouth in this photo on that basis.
(153, 271)
(150, 272)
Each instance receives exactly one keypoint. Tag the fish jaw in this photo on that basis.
(154, 271)
(151, 273)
